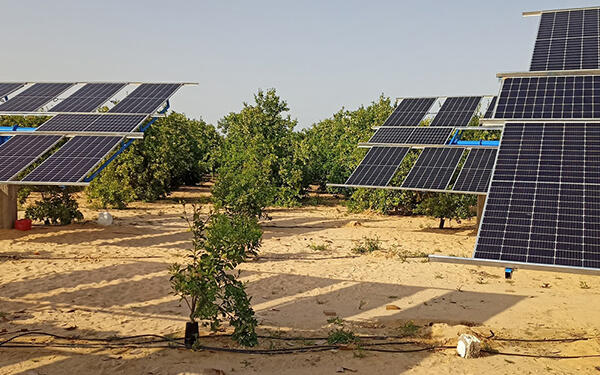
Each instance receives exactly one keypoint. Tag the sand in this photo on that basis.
(92, 281)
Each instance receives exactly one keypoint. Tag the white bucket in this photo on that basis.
(468, 346)
(105, 219)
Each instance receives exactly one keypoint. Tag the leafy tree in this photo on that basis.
(57, 206)
(211, 291)
(448, 206)
(258, 166)
(175, 151)
(23, 121)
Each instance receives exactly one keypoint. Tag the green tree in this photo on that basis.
(258, 166)
(448, 206)
(175, 151)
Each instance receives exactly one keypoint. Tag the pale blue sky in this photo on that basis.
(319, 55)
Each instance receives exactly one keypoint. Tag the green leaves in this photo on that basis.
(220, 243)
(57, 206)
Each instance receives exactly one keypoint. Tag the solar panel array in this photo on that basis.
(378, 167)
(88, 98)
(567, 40)
(147, 98)
(434, 168)
(544, 201)
(410, 112)
(456, 111)
(490, 109)
(73, 161)
(98, 123)
(564, 97)
(412, 135)
(9, 88)
(476, 172)
(22, 150)
(34, 97)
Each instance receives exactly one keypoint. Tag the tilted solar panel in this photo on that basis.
(9, 88)
(434, 168)
(544, 200)
(564, 97)
(378, 167)
(88, 98)
(490, 109)
(410, 112)
(476, 172)
(34, 97)
(422, 135)
(567, 40)
(21, 150)
(146, 99)
(97, 123)
(456, 111)
(72, 162)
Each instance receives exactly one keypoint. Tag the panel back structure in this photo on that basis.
(72, 162)
(422, 135)
(92, 123)
(34, 97)
(378, 167)
(563, 97)
(410, 112)
(88, 98)
(434, 168)
(543, 205)
(567, 40)
(476, 172)
(21, 151)
(456, 111)
(146, 99)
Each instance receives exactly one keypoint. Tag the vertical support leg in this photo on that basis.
(8, 206)
(480, 205)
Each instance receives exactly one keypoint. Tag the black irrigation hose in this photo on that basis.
(541, 355)
(107, 340)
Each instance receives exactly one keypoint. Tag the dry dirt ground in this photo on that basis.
(88, 281)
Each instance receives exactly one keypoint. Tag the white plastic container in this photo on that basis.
(468, 346)
(105, 219)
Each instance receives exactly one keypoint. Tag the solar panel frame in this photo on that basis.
(491, 107)
(92, 123)
(146, 99)
(34, 97)
(410, 112)
(74, 160)
(20, 151)
(421, 135)
(456, 111)
(434, 168)
(89, 97)
(476, 172)
(567, 40)
(543, 205)
(378, 166)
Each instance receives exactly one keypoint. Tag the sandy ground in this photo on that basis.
(91, 281)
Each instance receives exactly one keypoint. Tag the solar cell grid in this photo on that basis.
(476, 172)
(412, 135)
(72, 162)
(147, 98)
(490, 109)
(434, 168)
(378, 167)
(410, 112)
(22, 150)
(543, 205)
(456, 111)
(567, 40)
(82, 123)
(9, 88)
(34, 97)
(89, 97)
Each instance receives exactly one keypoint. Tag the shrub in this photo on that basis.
(367, 245)
(57, 206)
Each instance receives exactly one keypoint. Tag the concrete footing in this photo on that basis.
(8, 206)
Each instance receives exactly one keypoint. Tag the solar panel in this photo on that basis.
(34, 97)
(544, 201)
(565, 97)
(490, 109)
(434, 168)
(9, 88)
(147, 98)
(456, 111)
(72, 162)
(412, 135)
(410, 112)
(21, 150)
(378, 167)
(89, 97)
(99, 123)
(567, 40)
(477, 170)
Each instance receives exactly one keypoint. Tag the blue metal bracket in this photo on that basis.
(125, 145)
(456, 137)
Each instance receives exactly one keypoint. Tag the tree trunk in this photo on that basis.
(442, 220)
